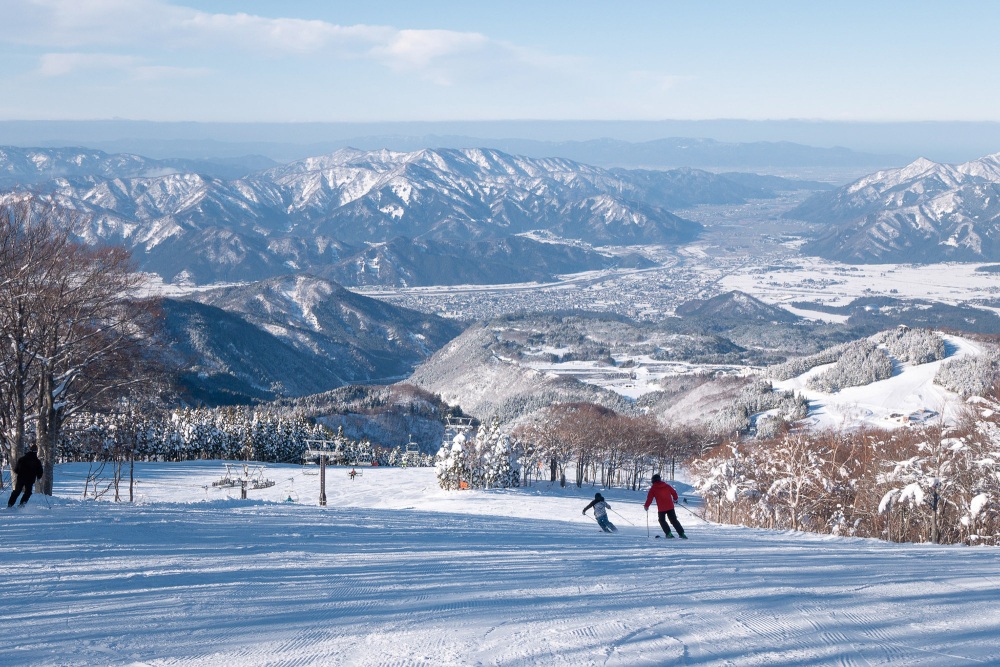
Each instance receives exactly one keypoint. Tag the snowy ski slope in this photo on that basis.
(911, 389)
(395, 571)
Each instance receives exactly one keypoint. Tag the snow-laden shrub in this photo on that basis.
(929, 485)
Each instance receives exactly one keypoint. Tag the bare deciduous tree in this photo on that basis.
(74, 329)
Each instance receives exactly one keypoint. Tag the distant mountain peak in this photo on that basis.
(734, 305)
(923, 212)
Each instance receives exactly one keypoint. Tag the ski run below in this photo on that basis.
(395, 571)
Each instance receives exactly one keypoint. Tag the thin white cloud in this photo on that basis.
(160, 26)
(421, 48)
(63, 64)
(478, 75)
(66, 64)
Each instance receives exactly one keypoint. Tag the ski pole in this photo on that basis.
(622, 518)
(685, 508)
(595, 519)
(647, 523)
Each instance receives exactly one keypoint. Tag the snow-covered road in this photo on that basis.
(396, 572)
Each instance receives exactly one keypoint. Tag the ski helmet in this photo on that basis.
(656, 477)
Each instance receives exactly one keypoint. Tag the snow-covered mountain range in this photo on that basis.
(317, 213)
(923, 212)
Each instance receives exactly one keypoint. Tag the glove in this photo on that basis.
(584, 512)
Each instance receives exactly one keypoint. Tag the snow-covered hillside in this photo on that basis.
(909, 396)
(394, 571)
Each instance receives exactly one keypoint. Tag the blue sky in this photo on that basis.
(228, 60)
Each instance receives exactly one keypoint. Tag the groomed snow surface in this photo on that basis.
(394, 571)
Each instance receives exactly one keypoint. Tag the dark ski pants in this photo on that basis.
(662, 516)
(606, 525)
(21, 486)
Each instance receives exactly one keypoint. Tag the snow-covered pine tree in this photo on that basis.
(452, 463)
(501, 465)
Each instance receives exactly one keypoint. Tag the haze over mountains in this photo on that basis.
(943, 141)
(31, 166)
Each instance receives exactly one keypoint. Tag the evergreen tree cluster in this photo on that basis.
(228, 433)
(191, 433)
(795, 367)
(970, 375)
(489, 461)
(860, 363)
(759, 396)
(916, 346)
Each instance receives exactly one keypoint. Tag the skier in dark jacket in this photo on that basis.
(28, 468)
(601, 513)
(665, 497)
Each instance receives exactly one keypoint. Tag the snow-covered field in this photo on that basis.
(823, 281)
(394, 571)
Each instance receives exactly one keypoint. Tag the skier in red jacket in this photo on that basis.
(665, 497)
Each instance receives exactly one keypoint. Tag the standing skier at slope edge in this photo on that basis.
(601, 513)
(665, 497)
(28, 468)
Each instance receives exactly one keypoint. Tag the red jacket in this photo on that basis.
(664, 494)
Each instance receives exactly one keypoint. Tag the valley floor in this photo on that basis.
(394, 571)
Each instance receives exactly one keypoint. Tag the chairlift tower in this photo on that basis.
(325, 451)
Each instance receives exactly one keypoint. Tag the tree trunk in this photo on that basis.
(935, 528)
(48, 434)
